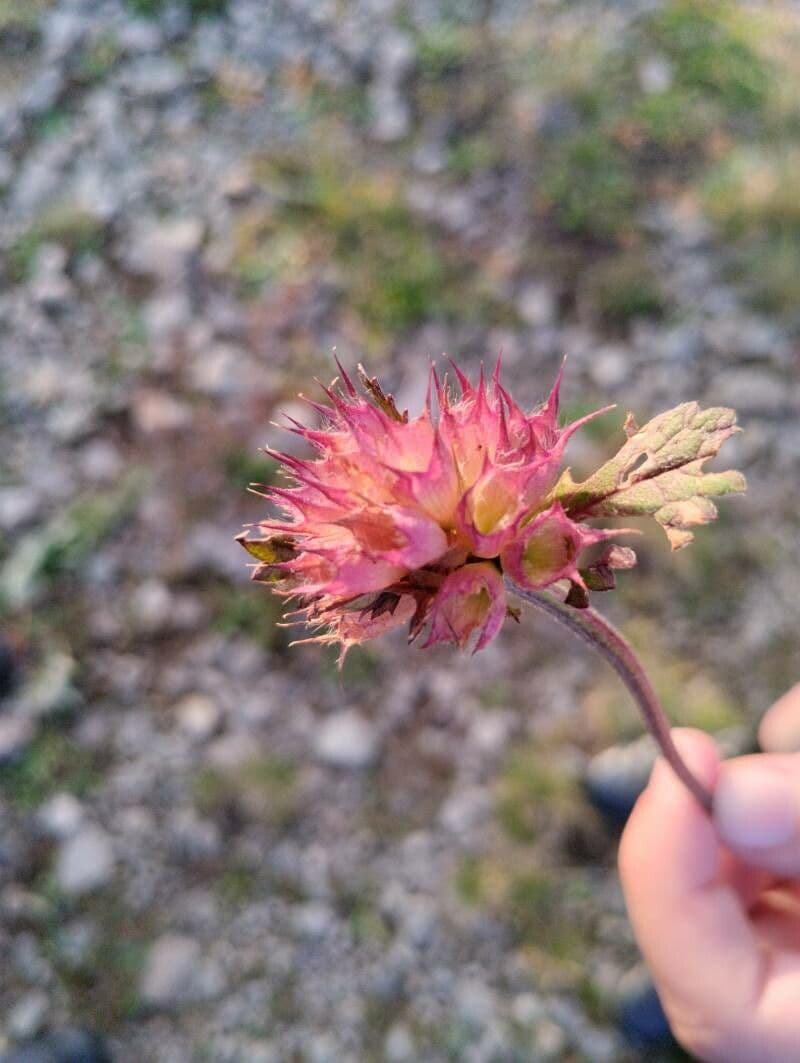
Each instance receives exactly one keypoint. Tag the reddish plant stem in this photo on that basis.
(595, 630)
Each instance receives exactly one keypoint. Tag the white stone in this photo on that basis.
(391, 113)
(465, 810)
(27, 1016)
(313, 920)
(537, 305)
(218, 370)
(489, 732)
(16, 734)
(85, 862)
(474, 1002)
(527, 1009)
(169, 970)
(61, 816)
(156, 411)
(399, 1045)
(139, 36)
(166, 316)
(151, 606)
(347, 740)
(50, 286)
(63, 31)
(549, 1040)
(419, 921)
(50, 691)
(395, 56)
(655, 74)
(198, 716)
(153, 77)
(755, 390)
(611, 366)
(238, 184)
(18, 505)
(100, 461)
(164, 249)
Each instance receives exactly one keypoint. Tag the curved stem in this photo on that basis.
(595, 630)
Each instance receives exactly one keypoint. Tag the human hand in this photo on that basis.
(715, 902)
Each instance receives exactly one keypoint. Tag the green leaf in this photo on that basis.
(269, 552)
(659, 471)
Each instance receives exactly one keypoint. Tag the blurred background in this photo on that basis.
(213, 848)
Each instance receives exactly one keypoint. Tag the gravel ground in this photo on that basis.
(215, 848)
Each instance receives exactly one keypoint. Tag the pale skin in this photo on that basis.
(715, 901)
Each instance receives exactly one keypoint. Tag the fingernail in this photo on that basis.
(753, 809)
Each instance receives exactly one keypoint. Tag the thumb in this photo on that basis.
(757, 810)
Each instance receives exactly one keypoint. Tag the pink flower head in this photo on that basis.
(397, 521)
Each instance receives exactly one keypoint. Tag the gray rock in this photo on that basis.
(16, 734)
(391, 113)
(18, 506)
(152, 607)
(37, 181)
(399, 1046)
(167, 316)
(312, 921)
(76, 943)
(347, 740)
(611, 366)
(27, 1016)
(489, 732)
(394, 57)
(220, 370)
(549, 1041)
(51, 690)
(465, 810)
(615, 778)
(169, 971)
(139, 36)
(680, 345)
(101, 461)
(537, 305)
(198, 716)
(42, 93)
(475, 1003)
(21, 906)
(655, 74)
(419, 920)
(527, 1009)
(164, 250)
(591, 1041)
(753, 390)
(85, 862)
(62, 1046)
(50, 287)
(209, 548)
(598, 1045)
(63, 32)
(323, 1048)
(192, 838)
(61, 816)
(153, 77)
(11, 125)
(6, 170)
(72, 420)
(156, 412)
(429, 159)
(27, 960)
